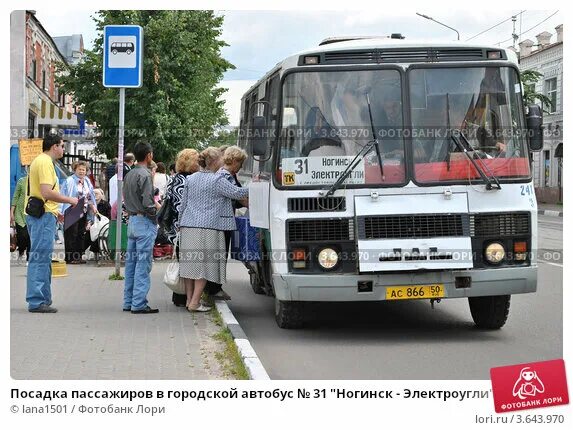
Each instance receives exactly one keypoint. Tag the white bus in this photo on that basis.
(383, 169)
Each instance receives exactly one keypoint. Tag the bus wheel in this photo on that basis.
(489, 312)
(288, 314)
(256, 283)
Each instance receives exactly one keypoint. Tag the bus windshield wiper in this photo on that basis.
(359, 157)
(466, 150)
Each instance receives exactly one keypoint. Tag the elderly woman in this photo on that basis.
(187, 162)
(78, 185)
(103, 206)
(233, 159)
(206, 213)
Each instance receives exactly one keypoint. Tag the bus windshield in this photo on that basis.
(326, 122)
(482, 103)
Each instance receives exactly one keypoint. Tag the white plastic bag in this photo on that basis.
(171, 277)
(99, 223)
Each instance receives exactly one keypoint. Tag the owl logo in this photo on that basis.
(528, 384)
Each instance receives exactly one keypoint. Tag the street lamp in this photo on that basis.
(441, 23)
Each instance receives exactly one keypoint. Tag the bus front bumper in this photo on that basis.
(339, 287)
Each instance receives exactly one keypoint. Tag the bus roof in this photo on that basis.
(377, 42)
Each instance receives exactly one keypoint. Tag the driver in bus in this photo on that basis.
(321, 137)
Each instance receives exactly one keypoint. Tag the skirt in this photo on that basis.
(202, 254)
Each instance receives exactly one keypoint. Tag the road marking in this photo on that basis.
(551, 264)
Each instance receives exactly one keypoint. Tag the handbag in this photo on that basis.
(166, 214)
(13, 239)
(35, 205)
(99, 223)
(171, 277)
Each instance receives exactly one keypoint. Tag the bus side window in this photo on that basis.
(270, 113)
(250, 113)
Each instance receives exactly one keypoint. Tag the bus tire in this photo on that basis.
(489, 312)
(256, 283)
(288, 314)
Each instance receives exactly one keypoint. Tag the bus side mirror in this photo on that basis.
(260, 138)
(535, 127)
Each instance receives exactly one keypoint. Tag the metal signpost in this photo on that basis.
(122, 68)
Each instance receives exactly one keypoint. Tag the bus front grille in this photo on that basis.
(320, 230)
(413, 226)
(500, 224)
(317, 204)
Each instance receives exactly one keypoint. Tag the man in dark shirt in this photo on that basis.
(141, 232)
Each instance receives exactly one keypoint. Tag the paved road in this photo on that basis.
(406, 340)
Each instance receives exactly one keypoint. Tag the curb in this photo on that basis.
(550, 213)
(248, 355)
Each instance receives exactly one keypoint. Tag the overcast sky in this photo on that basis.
(259, 39)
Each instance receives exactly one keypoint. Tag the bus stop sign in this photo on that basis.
(122, 56)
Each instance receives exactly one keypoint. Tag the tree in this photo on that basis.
(529, 79)
(226, 136)
(179, 104)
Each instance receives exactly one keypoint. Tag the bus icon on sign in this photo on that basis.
(126, 47)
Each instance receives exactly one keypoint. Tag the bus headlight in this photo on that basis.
(328, 258)
(494, 253)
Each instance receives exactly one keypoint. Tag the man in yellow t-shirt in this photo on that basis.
(44, 185)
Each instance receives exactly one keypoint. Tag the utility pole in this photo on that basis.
(513, 34)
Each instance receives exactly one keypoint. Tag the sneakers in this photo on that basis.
(221, 295)
(198, 308)
(43, 309)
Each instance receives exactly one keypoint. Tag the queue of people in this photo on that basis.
(203, 192)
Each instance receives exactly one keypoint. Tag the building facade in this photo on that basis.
(546, 57)
(37, 105)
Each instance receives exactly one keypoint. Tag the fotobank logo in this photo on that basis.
(529, 386)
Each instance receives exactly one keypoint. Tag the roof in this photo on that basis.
(67, 45)
(539, 50)
(32, 14)
(375, 42)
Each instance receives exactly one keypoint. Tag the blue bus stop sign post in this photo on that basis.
(122, 68)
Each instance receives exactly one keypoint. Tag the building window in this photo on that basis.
(546, 168)
(44, 79)
(33, 73)
(31, 125)
(551, 93)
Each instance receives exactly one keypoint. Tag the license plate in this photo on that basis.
(412, 292)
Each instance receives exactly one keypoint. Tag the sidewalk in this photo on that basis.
(551, 210)
(92, 338)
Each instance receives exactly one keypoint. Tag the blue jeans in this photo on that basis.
(38, 285)
(141, 233)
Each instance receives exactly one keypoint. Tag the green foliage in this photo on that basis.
(529, 78)
(224, 137)
(179, 105)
